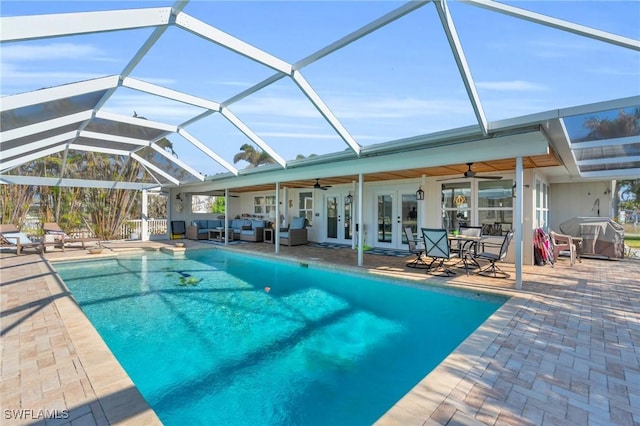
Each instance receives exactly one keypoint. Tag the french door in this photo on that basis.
(339, 214)
(395, 210)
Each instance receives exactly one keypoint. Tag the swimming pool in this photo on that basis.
(222, 338)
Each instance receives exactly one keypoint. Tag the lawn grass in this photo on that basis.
(632, 241)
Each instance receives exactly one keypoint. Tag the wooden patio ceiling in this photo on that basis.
(487, 167)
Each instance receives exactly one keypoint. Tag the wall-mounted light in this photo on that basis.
(179, 196)
(348, 199)
(420, 194)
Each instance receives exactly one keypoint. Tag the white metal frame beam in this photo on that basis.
(206, 31)
(324, 110)
(461, 61)
(40, 144)
(560, 24)
(202, 147)
(19, 28)
(77, 183)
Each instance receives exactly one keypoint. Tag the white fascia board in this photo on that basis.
(210, 33)
(461, 61)
(560, 24)
(113, 138)
(177, 161)
(155, 168)
(43, 126)
(525, 144)
(137, 121)
(361, 32)
(226, 113)
(25, 159)
(170, 94)
(43, 143)
(202, 147)
(609, 160)
(21, 100)
(19, 28)
(324, 110)
(73, 183)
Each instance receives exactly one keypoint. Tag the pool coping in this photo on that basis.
(413, 408)
(120, 399)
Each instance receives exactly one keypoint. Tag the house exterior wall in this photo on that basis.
(586, 199)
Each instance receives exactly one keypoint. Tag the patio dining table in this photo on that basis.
(466, 244)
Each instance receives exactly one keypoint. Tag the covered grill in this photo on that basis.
(601, 236)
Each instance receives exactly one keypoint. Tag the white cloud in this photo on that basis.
(53, 51)
(511, 86)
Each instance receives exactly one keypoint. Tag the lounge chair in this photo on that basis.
(11, 236)
(494, 257)
(436, 246)
(418, 262)
(54, 235)
(562, 242)
(296, 234)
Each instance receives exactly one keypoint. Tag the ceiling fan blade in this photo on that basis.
(489, 177)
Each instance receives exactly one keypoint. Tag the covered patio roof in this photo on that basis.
(76, 120)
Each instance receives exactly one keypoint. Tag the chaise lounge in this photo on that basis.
(12, 237)
(55, 236)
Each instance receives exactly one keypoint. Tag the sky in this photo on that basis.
(397, 82)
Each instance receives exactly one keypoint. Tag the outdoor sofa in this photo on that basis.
(243, 229)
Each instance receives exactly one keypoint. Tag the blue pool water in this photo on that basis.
(206, 343)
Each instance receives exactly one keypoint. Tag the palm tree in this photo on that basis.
(250, 155)
(625, 124)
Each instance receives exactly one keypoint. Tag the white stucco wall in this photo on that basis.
(567, 200)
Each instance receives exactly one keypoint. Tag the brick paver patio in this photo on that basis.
(564, 350)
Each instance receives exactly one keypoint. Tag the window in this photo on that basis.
(305, 206)
(456, 205)
(495, 206)
(207, 204)
(541, 203)
(264, 205)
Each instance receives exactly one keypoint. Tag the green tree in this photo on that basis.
(218, 205)
(255, 158)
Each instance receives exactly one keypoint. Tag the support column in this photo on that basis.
(276, 237)
(518, 217)
(226, 218)
(360, 224)
(144, 226)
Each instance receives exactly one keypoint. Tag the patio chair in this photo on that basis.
(418, 262)
(54, 235)
(494, 257)
(11, 236)
(563, 242)
(296, 234)
(460, 246)
(436, 246)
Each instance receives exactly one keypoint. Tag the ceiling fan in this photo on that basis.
(472, 174)
(318, 186)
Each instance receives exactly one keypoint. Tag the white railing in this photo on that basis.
(133, 228)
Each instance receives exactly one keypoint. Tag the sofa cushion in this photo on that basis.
(297, 223)
(284, 234)
(201, 224)
(257, 224)
(248, 232)
(213, 224)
